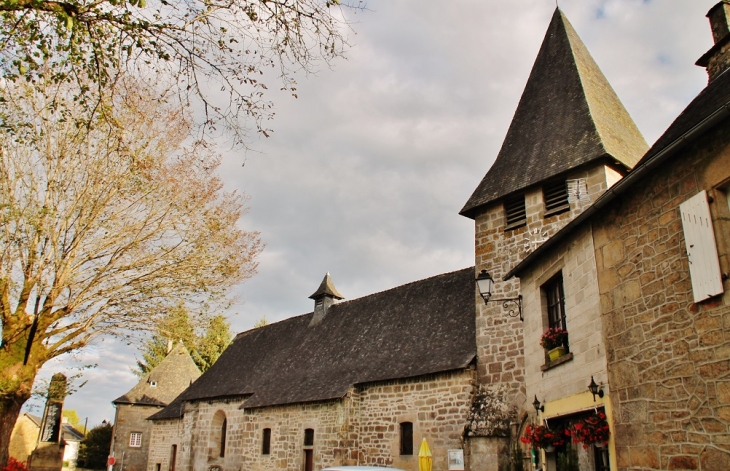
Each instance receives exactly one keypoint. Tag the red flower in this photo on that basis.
(539, 436)
(15, 465)
(592, 430)
(553, 337)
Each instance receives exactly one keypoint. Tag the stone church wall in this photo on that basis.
(668, 357)
(362, 428)
(436, 405)
(163, 435)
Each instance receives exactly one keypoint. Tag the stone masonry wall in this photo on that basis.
(163, 435)
(362, 428)
(131, 418)
(500, 346)
(576, 260)
(668, 358)
(437, 405)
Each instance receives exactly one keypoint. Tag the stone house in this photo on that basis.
(157, 389)
(24, 439)
(362, 381)
(645, 278)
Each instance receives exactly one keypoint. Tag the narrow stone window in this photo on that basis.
(308, 449)
(309, 437)
(135, 439)
(266, 442)
(555, 196)
(406, 438)
(173, 457)
(555, 302)
(515, 212)
(218, 434)
(224, 430)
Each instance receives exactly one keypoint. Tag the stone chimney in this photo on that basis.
(325, 296)
(717, 59)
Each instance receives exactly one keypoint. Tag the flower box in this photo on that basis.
(554, 337)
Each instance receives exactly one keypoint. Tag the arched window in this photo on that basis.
(218, 432)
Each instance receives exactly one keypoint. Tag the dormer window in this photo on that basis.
(555, 196)
(514, 212)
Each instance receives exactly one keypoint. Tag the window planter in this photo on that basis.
(557, 352)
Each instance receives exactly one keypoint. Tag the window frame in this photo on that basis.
(555, 301)
(266, 441)
(308, 437)
(406, 438)
(132, 441)
(224, 433)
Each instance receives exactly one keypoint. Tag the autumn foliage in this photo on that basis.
(109, 217)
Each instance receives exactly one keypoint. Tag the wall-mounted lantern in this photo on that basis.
(485, 284)
(538, 407)
(595, 389)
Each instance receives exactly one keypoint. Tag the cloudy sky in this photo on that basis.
(367, 170)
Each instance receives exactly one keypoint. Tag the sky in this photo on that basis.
(366, 171)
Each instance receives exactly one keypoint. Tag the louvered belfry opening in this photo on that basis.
(555, 196)
(515, 212)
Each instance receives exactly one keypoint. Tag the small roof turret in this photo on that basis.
(326, 288)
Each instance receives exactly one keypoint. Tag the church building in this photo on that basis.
(599, 311)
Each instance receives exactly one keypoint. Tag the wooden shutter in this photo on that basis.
(515, 212)
(699, 238)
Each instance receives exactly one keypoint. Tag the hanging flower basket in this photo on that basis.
(539, 436)
(593, 430)
(554, 337)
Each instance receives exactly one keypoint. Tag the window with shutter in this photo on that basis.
(555, 196)
(699, 239)
(515, 213)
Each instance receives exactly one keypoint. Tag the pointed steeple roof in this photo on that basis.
(327, 288)
(166, 380)
(568, 116)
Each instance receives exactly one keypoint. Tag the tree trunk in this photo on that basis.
(9, 411)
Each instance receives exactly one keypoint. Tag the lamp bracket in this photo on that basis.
(513, 312)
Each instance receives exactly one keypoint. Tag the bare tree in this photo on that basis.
(220, 54)
(103, 227)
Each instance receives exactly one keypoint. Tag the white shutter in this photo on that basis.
(699, 237)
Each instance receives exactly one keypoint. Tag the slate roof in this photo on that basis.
(419, 328)
(568, 116)
(172, 376)
(710, 108)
